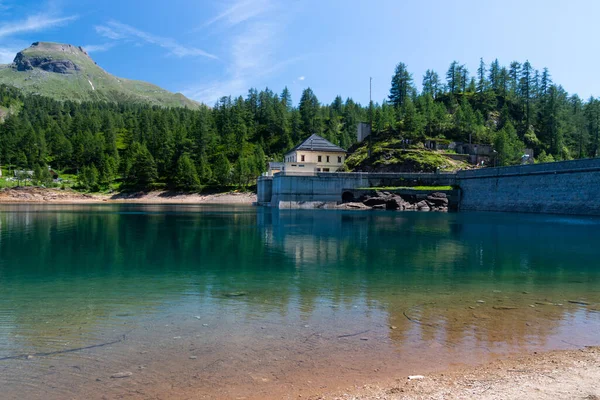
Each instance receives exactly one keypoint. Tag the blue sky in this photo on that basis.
(208, 49)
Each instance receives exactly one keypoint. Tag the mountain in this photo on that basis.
(67, 72)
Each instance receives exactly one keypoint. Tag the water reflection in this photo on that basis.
(290, 289)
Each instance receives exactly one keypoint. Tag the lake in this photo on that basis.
(170, 301)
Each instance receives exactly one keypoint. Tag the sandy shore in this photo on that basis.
(573, 374)
(43, 195)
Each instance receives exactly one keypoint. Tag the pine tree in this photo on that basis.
(482, 82)
(431, 83)
(526, 90)
(453, 77)
(494, 76)
(222, 169)
(186, 177)
(402, 85)
(309, 107)
(143, 168)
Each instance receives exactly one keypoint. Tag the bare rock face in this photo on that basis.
(24, 63)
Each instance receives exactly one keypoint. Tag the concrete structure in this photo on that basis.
(362, 131)
(326, 156)
(274, 168)
(285, 190)
(568, 187)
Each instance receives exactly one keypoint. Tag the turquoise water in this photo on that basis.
(251, 302)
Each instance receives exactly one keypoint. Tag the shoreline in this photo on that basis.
(37, 195)
(554, 374)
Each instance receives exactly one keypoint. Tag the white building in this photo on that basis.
(318, 153)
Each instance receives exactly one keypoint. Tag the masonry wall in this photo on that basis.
(289, 190)
(568, 187)
(264, 189)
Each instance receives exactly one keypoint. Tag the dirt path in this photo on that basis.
(42, 195)
(554, 375)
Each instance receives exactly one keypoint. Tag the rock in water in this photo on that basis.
(235, 294)
(120, 375)
(374, 201)
(423, 206)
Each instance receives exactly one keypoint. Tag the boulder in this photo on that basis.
(436, 200)
(423, 206)
(353, 206)
(379, 207)
(374, 201)
(394, 203)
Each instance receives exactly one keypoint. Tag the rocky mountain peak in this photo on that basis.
(50, 57)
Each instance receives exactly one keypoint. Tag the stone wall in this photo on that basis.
(568, 187)
(290, 191)
(264, 190)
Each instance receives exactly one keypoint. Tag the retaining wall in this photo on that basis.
(290, 191)
(567, 187)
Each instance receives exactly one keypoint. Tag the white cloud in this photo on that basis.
(7, 55)
(97, 48)
(108, 33)
(118, 31)
(240, 11)
(251, 55)
(34, 23)
(301, 78)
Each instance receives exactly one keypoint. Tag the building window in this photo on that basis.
(302, 157)
(319, 158)
(325, 169)
(327, 158)
(339, 159)
(318, 169)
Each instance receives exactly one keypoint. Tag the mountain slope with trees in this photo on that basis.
(512, 108)
(148, 146)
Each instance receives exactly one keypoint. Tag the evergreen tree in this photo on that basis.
(186, 177)
(482, 83)
(222, 169)
(401, 85)
(309, 108)
(143, 168)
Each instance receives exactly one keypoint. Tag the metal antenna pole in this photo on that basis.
(370, 116)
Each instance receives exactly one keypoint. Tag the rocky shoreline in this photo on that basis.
(36, 195)
(382, 200)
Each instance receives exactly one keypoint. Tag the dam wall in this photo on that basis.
(566, 187)
(304, 191)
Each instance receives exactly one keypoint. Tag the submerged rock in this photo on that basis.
(119, 375)
(353, 206)
(235, 294)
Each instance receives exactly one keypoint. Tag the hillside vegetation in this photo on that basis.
(139, 145)
(512, 108)
(66, 72)
(390, 154)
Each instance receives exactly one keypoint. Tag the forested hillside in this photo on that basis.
(229, 144)
(511, 107)
(153, 146)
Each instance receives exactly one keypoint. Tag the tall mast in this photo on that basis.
(370, 116)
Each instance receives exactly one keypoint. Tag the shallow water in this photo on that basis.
(229, 302)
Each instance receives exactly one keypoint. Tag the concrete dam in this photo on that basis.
(566, 187)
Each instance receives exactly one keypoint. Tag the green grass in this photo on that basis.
(76, 86)
(419, 188)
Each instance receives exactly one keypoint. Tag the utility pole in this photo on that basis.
(370, 117)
